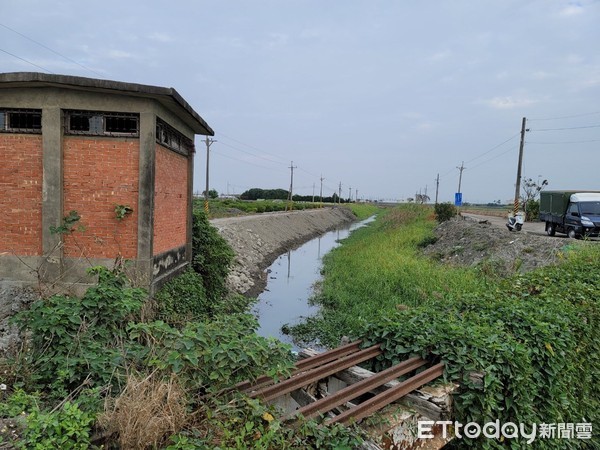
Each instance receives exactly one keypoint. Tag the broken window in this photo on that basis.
(20, 120)
(102, 123)
(169, 137)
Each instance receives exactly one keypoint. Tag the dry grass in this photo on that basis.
(147, 412)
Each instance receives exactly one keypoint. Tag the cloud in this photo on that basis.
(574, 9)
(277, 40)
(541, 75)
(424, 127)
(119, 54)
(440, 56)
(509, 102)
(161, 37)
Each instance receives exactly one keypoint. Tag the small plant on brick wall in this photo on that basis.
(68, 224)
(122, 211)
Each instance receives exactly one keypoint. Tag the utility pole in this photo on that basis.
(437, 188)
(461, 168)
(518, 184)
(356, 196)
(321, 191)
(208, 142)
(290, 197)
(340, 194)
(313, 192)
(349, 194)
(426, 198)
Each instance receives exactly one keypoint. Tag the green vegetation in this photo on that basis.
(524, 349)
(377, 271)
(532, 340)
(96, 350)
(363, 210)
(444, 211)
(107, 371)
(229, 207)
(212, 256)
(232, 207)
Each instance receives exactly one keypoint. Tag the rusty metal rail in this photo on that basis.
(385, 398)
(323, 365)
(303, 365)
(354, 390)
(311, 375)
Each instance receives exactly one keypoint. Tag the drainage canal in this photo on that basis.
(290, 282)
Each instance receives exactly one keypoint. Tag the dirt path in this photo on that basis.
(258, 240)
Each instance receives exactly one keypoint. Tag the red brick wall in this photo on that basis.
(100, 173)
(21, 194)
(170, 200)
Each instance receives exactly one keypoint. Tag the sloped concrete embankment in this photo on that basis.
(259, 239)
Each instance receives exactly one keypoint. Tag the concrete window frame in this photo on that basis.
(99, 123)
(169, 137)
(20, 120)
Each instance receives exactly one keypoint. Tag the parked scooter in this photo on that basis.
(515, 223)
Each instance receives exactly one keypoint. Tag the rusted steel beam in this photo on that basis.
(305, 378)
(354, 390)
(303, 364)
(328, 356)
(379, 401)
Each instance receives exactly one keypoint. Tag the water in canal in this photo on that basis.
(290, 281)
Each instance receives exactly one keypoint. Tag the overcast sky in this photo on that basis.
(378, 95)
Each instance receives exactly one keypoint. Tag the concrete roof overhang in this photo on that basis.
(168, 97)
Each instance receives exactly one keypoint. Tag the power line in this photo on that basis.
(565, 128)
(481, 155)
(252, 154)
(563, 142)
(252, 147)
(53, 51)
(565, 117)
(28, 62)
(495, 157)
(493, 148)
(247, 162)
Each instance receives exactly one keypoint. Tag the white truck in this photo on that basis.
(575, 213)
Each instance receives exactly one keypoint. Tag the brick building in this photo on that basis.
(119, 154)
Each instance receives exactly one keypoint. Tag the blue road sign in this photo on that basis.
(458, 199)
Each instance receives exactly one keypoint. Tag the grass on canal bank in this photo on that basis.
(378, 271)
(523, 349)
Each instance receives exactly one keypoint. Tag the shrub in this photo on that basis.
(444, 211)
(212, 257)
(68, 428)
(212, 355)
(532, 210)
(76, 340)
(534, 339)
(183, 298)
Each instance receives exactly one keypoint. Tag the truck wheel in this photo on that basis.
(550, 229)
(571, 233)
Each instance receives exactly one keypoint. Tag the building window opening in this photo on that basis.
(169, 137)
(121, 124)
(102, 124)
(20, 121)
